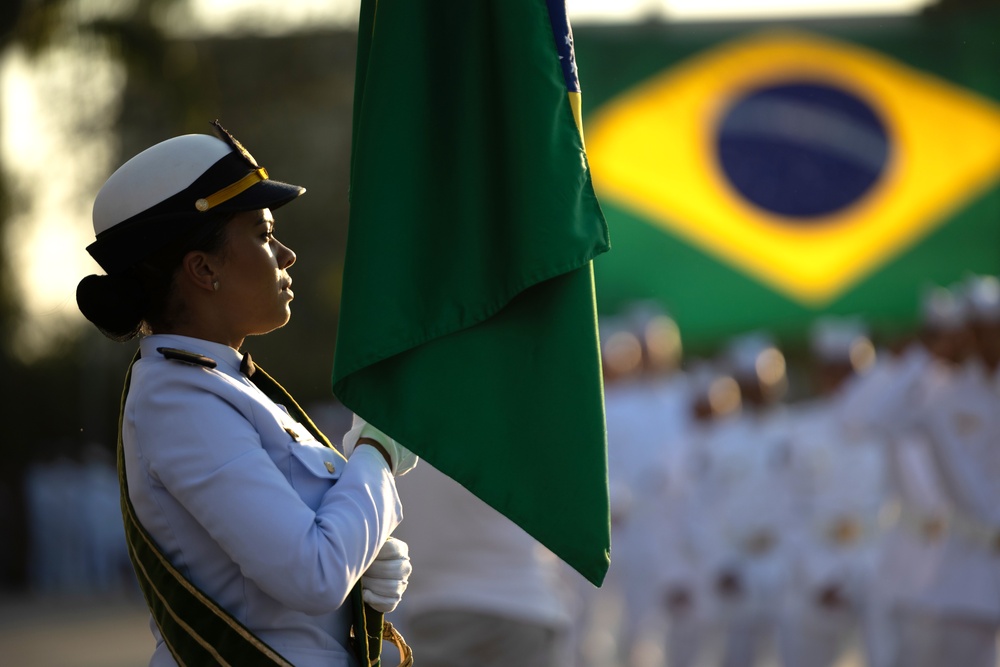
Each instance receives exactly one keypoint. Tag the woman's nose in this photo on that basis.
(286, 256)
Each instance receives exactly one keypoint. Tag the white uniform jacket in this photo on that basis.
(263, 518)
(963, 431)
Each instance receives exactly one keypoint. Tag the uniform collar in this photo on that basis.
(226, 357)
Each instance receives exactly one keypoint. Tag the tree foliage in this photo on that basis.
(65, 395)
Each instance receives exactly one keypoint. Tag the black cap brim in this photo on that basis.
(268, 193)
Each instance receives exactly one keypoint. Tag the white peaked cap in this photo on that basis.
(943, 309)
(742, 352)
(157, 173)
(832, 338)
(982, 294)
(174, 189)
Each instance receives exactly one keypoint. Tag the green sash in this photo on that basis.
(195, 628)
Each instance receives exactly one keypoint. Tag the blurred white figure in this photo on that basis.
(482, 592)
(648, 439)
(746, 491)
(901, 393)
(107, 561)
(683, 583)
(600, 620)
(839, 474)
(58, 541)
(622, 623)
(963, 430)
(41, 500)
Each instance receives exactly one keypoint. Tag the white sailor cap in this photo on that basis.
(943, 309)
(982, 295)
(842, 340)
(747, 352)
(170, 189)
(832, 338)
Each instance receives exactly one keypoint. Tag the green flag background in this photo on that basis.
(468, 322)
(712, 292)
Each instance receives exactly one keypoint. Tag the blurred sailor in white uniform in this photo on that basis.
(963, 431)
(655, 465)
(839, 471)
(746, 490)
(483, 591)
(916, 545)
(684, 540)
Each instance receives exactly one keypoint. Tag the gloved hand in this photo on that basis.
(383, 584)
(402, 460)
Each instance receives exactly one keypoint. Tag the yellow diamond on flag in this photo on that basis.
(803, 161)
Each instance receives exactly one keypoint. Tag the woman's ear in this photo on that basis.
(200, 270)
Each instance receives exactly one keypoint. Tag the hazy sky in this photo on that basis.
(223, 15)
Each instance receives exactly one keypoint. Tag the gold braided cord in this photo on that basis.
(391, 634)
(230, 191)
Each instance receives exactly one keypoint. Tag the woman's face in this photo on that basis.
(253, 277)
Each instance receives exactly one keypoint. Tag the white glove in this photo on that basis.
(402, 459)
(383, 584)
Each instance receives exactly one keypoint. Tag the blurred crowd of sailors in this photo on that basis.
(752, 527)
(76, 542)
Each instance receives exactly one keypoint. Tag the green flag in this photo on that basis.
(468, 323)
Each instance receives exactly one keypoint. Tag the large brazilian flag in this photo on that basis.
(758, 175)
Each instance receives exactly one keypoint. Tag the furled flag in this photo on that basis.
(468, 326)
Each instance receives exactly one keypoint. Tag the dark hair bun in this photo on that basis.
(114, 304)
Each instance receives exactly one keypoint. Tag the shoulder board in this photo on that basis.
(187, 357)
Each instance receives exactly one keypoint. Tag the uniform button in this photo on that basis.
(845, 531)
(330, 467)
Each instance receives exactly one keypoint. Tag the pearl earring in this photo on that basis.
(215, 285)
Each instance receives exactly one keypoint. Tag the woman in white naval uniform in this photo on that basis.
(272, 525)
